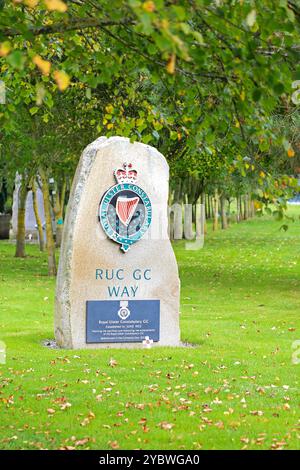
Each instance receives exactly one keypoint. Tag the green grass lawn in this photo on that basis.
(237, 388)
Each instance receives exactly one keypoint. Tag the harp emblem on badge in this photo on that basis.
(125, 208)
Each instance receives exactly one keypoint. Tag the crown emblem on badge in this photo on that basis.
(126, 174)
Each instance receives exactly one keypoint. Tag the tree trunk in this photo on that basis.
(206, 208)
(215, 209)
(246, 212)
(224, 221)
(229, 212)
(58, 211)
(175, 221)
(250, 205)
(188, 222)
(48, 220)
(20, 242)
(208, 211)
(37, 216)
(209, 206)
(252, 209)
(238, 209)
(200, 217)
(203, 212)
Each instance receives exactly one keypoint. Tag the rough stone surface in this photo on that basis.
(86, 248)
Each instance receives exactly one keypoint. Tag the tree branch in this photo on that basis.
(62, 27)
(194, 76)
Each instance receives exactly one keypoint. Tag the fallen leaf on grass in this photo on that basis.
(234, 424)
(206, 408)
(219, 424)
(216, 401)
(166, 426)
(140, 406)
(114, 444)
(82, 442)
(88, 419)
(112, 362)
(259, 441)
(278, 445)
(257, 413)
(64, 406)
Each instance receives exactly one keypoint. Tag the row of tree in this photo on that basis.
(210, 84)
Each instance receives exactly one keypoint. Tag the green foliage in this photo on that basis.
(198, 80)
